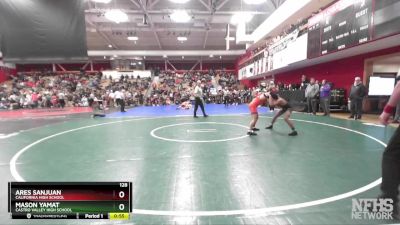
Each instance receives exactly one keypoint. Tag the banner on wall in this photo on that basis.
(282, 43)
(255, 68)
(241, 73)
(294, 51)
(250, 70)
(260, 65)
(7, 65)
(247, 71)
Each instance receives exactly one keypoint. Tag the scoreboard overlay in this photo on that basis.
(70, 200)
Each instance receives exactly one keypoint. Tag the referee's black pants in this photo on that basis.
(391, 168)
(198, 102)
(121, 103)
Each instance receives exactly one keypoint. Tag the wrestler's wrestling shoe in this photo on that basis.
(251, 133)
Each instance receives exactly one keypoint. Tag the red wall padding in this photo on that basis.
(5, 73)
(34, 67)
(3, 76)
(340, 72)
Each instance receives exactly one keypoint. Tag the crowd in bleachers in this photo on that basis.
(44, 90)
(47, 90)
(219, 87)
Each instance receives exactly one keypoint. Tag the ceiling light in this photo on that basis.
(183, 57)
(182, 38)
(115, 56)
(180, 16)
(105, 57)
(112, 58)
(254, 2)
(144, 57)
(241, 17)
(140, 63)
(102, 1)
(179, 1)
(116, 15)
(133, 38)
(110, 46)
(211, 56)
(220, 56)
(165, 56)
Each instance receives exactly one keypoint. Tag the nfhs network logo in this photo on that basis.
(372, 208)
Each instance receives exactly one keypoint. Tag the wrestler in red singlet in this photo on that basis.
(260, 99)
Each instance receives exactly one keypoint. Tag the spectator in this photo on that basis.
(50, 90)
(304, 82)
(84, 101)
(357, 93)
(325, 97)
(35, 99)
(311, 95)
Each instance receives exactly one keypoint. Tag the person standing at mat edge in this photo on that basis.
(120, 99)
(198, 98)
(391, 155)
(311, 94)
(325, 97)
(357, 93)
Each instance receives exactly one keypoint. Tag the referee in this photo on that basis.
(120, 99)
(198, 95)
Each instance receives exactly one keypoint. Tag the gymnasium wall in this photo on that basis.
(3, 76)
(386, 68)
(97, 66)
(187, 65)
(6, 70)
(341, 72)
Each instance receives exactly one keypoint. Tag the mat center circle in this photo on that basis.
(200, 132)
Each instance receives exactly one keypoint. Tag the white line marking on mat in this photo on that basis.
(245, 212)
(4, 136)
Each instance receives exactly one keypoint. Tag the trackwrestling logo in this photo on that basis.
(372, 208)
